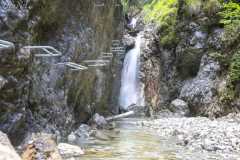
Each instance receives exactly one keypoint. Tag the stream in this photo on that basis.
(131, 143)
(138, 143)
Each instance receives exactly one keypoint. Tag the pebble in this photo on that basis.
(219, 135)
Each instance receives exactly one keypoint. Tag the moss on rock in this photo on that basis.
(49, 18)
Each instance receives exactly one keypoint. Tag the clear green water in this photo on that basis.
(136, 143)
(130, 143)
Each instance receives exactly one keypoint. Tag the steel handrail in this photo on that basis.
(6, 44)
(96, 61)
(51, 51)
(73, 66)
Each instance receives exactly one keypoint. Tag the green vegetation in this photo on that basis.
(230, 55)
(131, 5)
(164, 13)
(230, 14)
(212, 7)
(230, 18)
(50, 18)
(193, 7)
(227, 95)
(235, 68)
(125, 4)
(223, 59)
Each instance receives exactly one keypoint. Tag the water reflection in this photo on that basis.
(138, 143)
(131, 143)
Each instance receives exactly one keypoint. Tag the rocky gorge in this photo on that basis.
(174, 63)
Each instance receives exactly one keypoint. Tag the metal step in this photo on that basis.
(73, 66)
(6, 44)
(48, 50)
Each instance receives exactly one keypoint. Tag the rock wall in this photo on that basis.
(35, 92)
(185, 67)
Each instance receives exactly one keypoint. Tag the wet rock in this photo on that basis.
(100, 135)
(72, 138)
(128, 42)
(198, 39)
(68, 151)
(83, 130)
(201, 91)
(80, 136)
(179, 107)
(98, 120)
(138, 110)
(7, 152)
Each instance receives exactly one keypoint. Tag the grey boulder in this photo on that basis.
(179, 107)
(201, 91)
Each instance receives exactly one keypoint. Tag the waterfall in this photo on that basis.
(130, 89)
(133, 22)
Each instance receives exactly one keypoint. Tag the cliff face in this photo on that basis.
(36, 93)
(181, 56)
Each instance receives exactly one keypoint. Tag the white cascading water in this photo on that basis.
(130, 89)
(133, 22)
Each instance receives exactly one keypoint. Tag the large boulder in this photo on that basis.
(98, 121)
(81, 136)
(215, 39)
(70, 152)
(179, 107)
(7, 151)
(201, 91)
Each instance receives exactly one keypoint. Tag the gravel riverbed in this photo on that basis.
(199, 133)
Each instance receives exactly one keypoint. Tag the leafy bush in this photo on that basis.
(230, 18)
(164, 14)
(230, 13)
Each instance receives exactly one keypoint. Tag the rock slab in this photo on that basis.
(7, 152)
